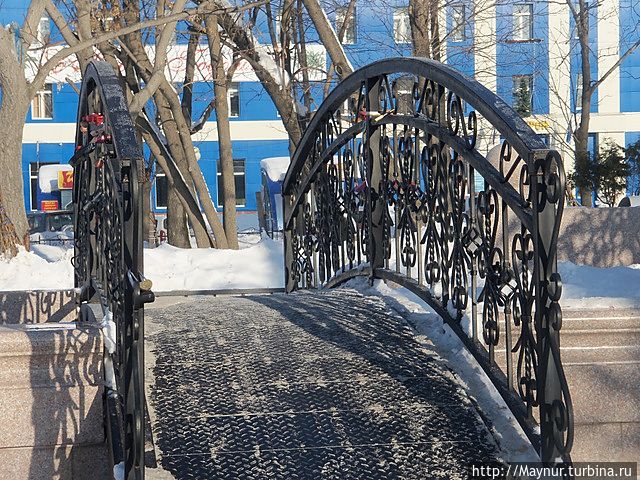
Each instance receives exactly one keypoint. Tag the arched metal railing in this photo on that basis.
(383, 184)
(108, 171)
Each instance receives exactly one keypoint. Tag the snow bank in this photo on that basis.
(258, 266)
(275, 167)
(46, 267)
(592, 287)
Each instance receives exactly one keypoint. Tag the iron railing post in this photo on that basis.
(375, 206)
(290, 283)
(556, 425)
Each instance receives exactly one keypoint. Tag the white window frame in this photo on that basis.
(44, 24)
(233, 87)
(523, 31)
(578, 99)
(277, 25)
(32, 177)
(38, 103)
(160, 174)
(401, 25)
(36, 177)
(458, 22)
(341, 13)
(235, 174)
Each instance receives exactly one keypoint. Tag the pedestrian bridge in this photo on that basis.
(390, 181)
(324, 385)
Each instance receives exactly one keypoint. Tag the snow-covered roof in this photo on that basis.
(275, 167)
(48, 176)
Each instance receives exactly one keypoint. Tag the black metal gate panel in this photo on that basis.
(383, 184)
(108, 261)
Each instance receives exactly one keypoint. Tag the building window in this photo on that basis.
(349, 37)
(278, 25)
(34, 168)
(401, 25)
(593, 145)
(233, 98)
(44, 31)
(523, 21)
(347, 107)
(578, 100)
(162, 189)
(458, 22)
(239, 177)
(523, 94)
(42, 103)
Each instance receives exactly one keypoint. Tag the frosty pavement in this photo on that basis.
(327, 385)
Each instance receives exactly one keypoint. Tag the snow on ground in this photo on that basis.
(592, 287)
(259, 264)
(45, 267)
(434, 334)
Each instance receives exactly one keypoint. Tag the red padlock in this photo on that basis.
(95, 118)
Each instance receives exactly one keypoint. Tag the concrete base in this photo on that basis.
(37, 306)
(51, 393)
(64, 462)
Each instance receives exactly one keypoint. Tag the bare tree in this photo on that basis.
(175, 127)
(328, 36)
(224, 131)
(425, 28)
(18, 88)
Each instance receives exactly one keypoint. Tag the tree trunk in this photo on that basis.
(224, 132)
(179, 141)
(194, 168)
(8, 239)
(581, 135)
(148, 218)
(581, 166)
(329, 38)
(13, 111)
(177, 231)
(11, 179)
(187, 85)
(178, 185)
(420, 21)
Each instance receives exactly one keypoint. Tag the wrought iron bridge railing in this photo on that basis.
(383, 184)
(108, 261)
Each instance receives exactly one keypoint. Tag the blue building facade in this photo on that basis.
(504, 45)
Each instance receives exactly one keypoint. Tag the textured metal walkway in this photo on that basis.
(305, 386)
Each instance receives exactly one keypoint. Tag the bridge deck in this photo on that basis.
(304, 386)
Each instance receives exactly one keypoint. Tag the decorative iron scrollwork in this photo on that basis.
(384, 184)
(108, 250)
